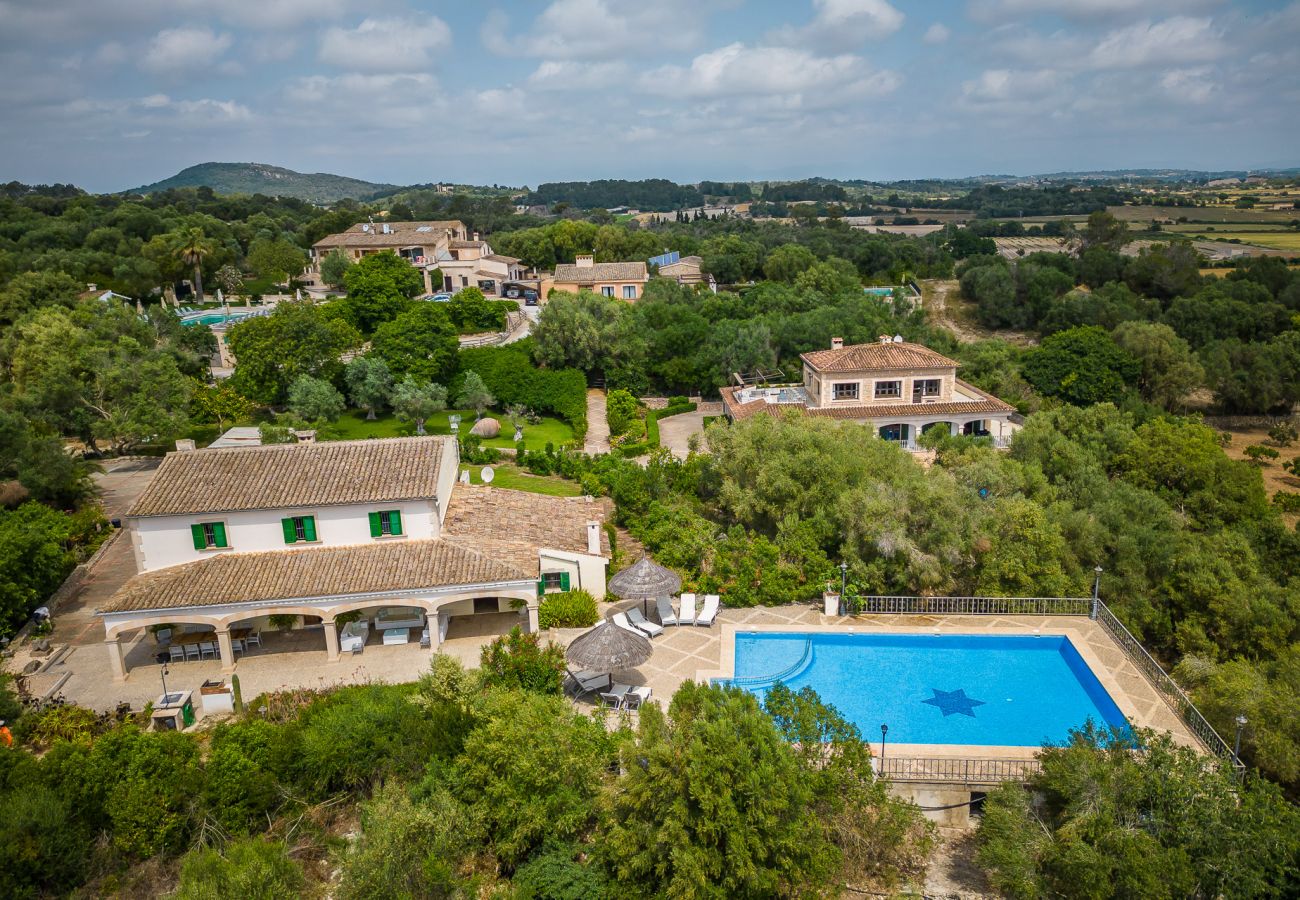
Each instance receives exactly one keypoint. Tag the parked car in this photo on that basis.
(440, 298)
(530, 297)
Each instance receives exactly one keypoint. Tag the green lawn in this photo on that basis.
(506, 476)
(353, 425)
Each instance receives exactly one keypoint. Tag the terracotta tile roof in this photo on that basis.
(281, 476)
(615, 271)
(464, 245)
(986, 404)
(401, 234)
(497, 257)
(517, 524)
(225, 578)
(877, 356)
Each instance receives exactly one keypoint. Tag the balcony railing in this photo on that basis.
(957, 770)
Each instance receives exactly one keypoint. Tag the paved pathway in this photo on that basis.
(675, 431)
(597, 440)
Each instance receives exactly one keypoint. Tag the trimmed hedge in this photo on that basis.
(512, 378)
(652, 427)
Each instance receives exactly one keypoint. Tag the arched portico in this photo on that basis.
(222, 618)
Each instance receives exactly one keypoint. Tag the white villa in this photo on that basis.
(226, 538)
(899, 388)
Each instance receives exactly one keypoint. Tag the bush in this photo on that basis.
(518, 660)
(147, 782)
(1283, 434)
(571, 609)
(472, 451)
(1260, 454)
(241, 787)
(512, 378)
(251, 869)
(44, 847)
(1287, 501)
(555, 874)
(621, 410)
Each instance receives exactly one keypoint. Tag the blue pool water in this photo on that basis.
(950, 689)
(214, 318)
(879, 291)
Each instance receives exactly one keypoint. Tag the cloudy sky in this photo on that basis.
(110, 94)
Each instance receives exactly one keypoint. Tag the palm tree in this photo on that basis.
(191, 247)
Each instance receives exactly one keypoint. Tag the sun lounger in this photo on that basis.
(585, 682)
(613, 698)
(666, 614)
(709, 611)
(687, 614)
(636, 696)
(641, 622)
(620, 619)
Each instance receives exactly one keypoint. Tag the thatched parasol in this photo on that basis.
(645, 580)
(608, 648)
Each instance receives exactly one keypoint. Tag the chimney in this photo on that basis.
(837, 343)
(584, 260)
(386, 229)
(92, 287)
(593, 538)
(886, 339)
(184, 444)
(476, 237)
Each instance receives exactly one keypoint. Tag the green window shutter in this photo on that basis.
(564, 581)
(309, 527)
(290, 533)
(395, 521)
(376, 530)
(200, 540)
(541, 587)
(219, 534)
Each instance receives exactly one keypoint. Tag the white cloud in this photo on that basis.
(386, 102)
(1195, 85)
(782, 75)
(109, 54)
(399, 45)
(843, 24)
(1080, 10)
(276, 13)
(1175, 41)
(937, 33)
(1011, 91)
(570, 75)
(186, 49)
(604, 29)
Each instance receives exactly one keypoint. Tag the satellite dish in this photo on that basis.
(898, 339)
(487, 474)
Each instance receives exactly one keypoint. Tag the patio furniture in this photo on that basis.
(709, 611)
(644, 580)
(207, 650)
(236, 645)
(425, 641)
(254, 637)
(192, 651)
(613, 698)
(621, 620)
(642, 623)
(666, 614)
(687, 614)
(608, 647)
(636, 696)
(177, 653)
(585, 682)
(398, 617)
(353, 636)
(394, 636)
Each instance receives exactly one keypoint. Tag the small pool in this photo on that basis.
(214, 318)
(879, 291)
(996, 690)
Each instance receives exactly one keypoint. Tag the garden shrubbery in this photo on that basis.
(514, 380)
(570, 609)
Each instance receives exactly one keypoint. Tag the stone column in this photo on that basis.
(227, 651)
(533, 625)
(331, 640)
(428, 281)
(115, 661)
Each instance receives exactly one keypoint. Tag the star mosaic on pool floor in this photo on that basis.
(952, 702)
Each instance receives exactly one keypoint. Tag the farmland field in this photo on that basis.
(1274, 240)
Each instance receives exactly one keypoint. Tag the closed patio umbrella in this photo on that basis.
(608, 648)
(645, 580)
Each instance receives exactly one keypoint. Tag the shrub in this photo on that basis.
(250, 868)
(571, 609)
(512, 378)
(1287, 501)
(241, 787)
(621, 410)
(1259, 453)
(44, 845)
(518, 660)
(555, 874)
(147, 781)
(1283, 434)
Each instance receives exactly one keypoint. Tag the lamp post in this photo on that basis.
(1236, 745)
(163, 675)
(844, 585)
(884, 730)
(454, 421)
(1096, 592)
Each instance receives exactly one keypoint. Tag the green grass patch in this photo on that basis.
(515, 479)
(353, 425)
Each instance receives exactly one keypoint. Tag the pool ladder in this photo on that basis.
(754, 681)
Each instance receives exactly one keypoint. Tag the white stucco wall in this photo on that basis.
(585, 572)
(162, 541)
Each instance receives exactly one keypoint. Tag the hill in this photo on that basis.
(257, 178)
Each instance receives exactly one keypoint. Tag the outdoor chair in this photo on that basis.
(586, 681)
(666, 614)
(192, 651)
(176, 652)
(613, 698)
(642, 623)
(620, 619)
(709, 611)
(236, 645)
(207, 650)
(254, 637)
(687, 614)
(636, 696)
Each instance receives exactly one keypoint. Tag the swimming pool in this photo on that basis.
(214, 318)
(879, 291)
(1011, 691)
